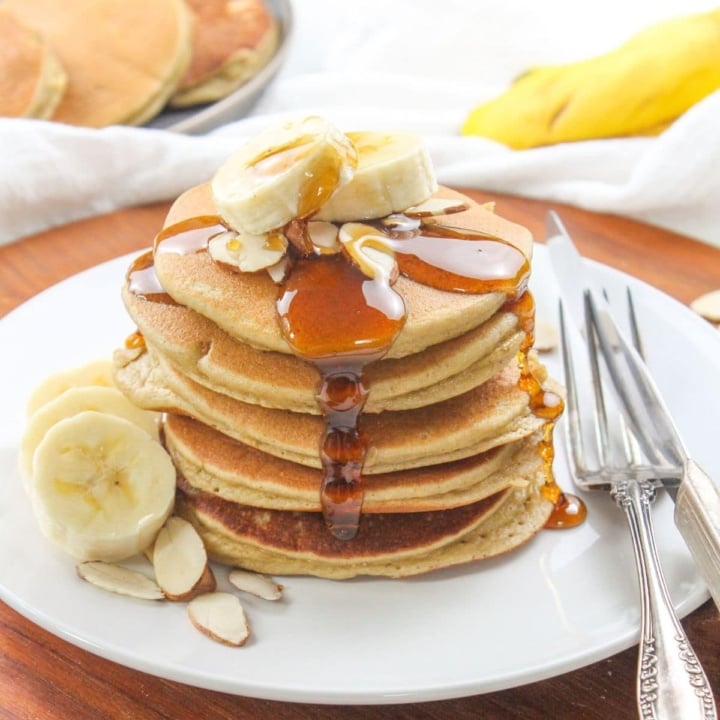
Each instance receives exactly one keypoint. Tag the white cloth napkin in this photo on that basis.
(413, 64)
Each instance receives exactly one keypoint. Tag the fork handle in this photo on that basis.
(671, 684)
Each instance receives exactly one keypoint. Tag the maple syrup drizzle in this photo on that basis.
(143, 280)
(135, 341)
(458, 260)
(335, 317)
(189, 236)
(568, 510)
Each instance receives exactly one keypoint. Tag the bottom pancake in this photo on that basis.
(391, 545)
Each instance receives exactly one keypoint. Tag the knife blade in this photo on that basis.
(697, 501)
(655, 431)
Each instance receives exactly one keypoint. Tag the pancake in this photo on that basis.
(388, 545)
(492, 414)
(32, 80)
(231, 41)
(217, 465)
(195, 346)
(123, 58)
(245, 309)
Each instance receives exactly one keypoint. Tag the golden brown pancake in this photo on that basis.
(195, 346)
(393, 545)
(245, 307)
(32, 81)
(217, 465)
(487, 416)
(232, 40)
(124, 58)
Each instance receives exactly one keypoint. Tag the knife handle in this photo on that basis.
(697, 516)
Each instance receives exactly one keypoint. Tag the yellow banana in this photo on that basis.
(638, 89)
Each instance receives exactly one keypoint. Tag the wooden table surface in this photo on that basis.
(43, 677)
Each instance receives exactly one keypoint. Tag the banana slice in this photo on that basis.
(283, 174)
(103, 487)
(98, 372)
(394, 172)
(71, 402)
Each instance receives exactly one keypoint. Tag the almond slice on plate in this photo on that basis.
(256, 584)
(220, 616)
(546, 335)
(708, 306)
(181, 562)
(119, 579)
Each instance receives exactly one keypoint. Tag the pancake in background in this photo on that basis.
(392, 545)
(493, 414)
(32, 81)
(232, 40)
(218, 465)
(195, 346)
(246, 309)
(124, 58)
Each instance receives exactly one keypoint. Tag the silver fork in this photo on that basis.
(671, 684)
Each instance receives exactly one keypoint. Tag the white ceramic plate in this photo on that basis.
(201, 119)
(566, 599)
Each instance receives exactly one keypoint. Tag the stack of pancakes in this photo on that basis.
(452, 474)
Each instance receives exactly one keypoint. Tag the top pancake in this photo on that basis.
(32, 81)
(243, 304)
(123, 58)
(232, 40)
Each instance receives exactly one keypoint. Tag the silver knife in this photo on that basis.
(697, 500)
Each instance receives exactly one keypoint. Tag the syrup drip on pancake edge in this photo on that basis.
(334, 316)
(340, 320)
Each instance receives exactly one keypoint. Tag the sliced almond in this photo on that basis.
(324, 237)
(708, 306)
(119, 579)
(248, 253)
(436, 206)
(370, 251)
(279, 270)
(256, 584)
(220, 616)
(223, 248)
(180, 561)
(546, 336)
(397, 223)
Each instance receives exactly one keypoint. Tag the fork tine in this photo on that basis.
(572, 407)
(634, 327)
(602, 435)
(632, 447)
